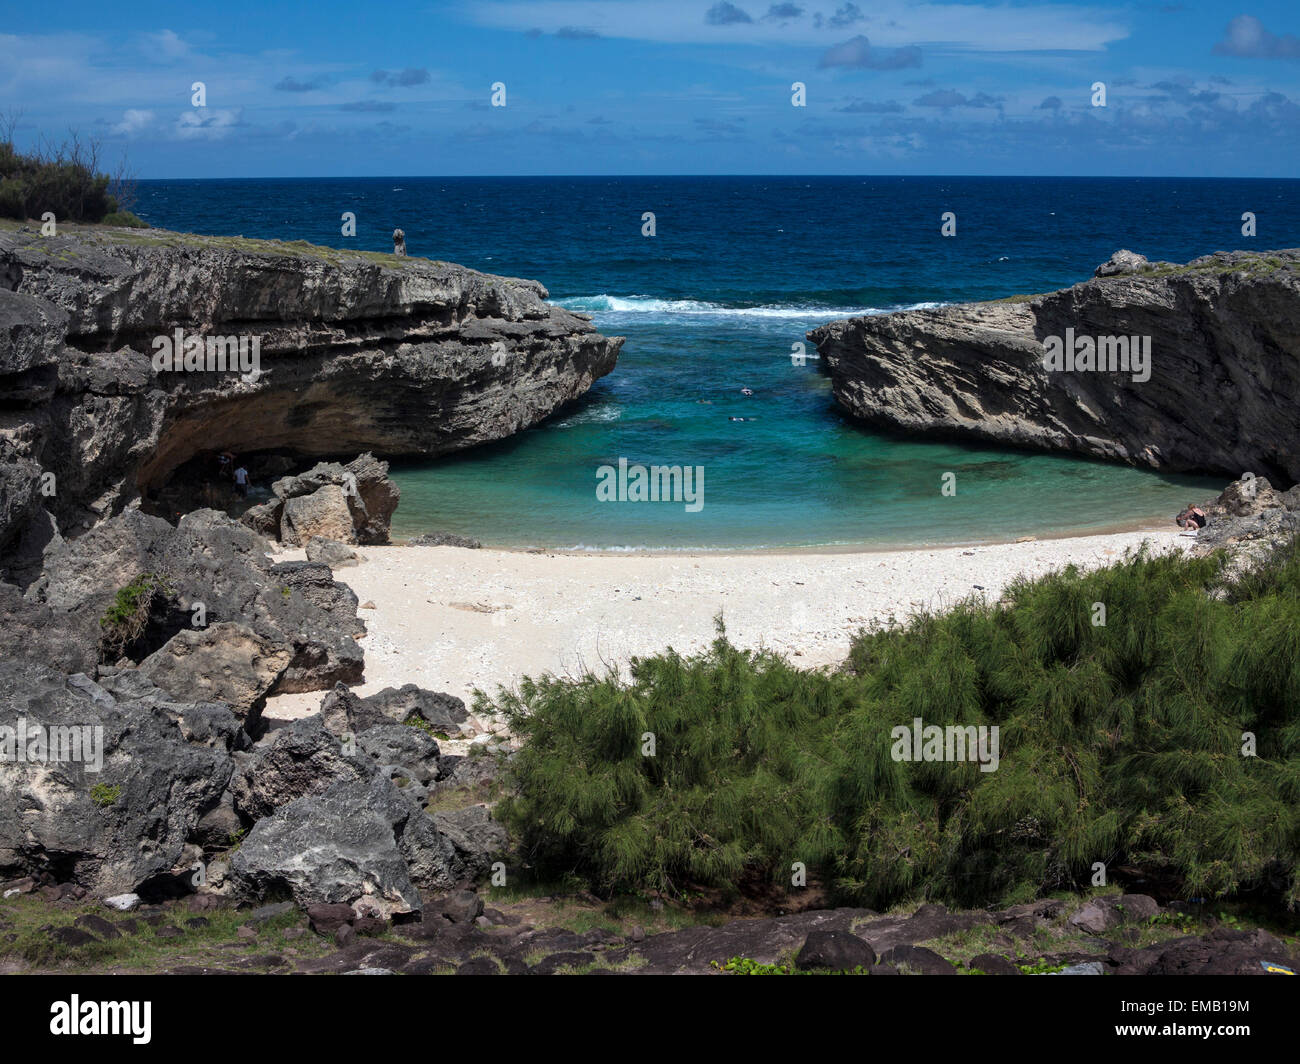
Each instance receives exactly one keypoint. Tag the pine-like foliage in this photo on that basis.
(1120, 743)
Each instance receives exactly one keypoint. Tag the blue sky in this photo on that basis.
(329, 88)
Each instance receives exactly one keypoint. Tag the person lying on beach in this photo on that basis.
(1192, 518)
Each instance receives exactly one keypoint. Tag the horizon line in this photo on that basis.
(599, 177)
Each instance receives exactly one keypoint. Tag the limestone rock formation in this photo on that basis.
(1224, 367)
(356, 352)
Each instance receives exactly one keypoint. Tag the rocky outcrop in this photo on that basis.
(351, 503)
(271, 628)
(1224, 367)
(356, 352)
(1251, 520)
(117, 810)
(435, 711)
(357, 840)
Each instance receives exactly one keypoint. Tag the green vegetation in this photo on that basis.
(28, 921)
(127, 618)
(104, 795)
(748, 966)
(123, 218)
(1119, 742)
(63, 180)
(1041, 968)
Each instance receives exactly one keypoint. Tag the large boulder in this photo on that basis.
(837, 951)
(225, 662)
(120, 813)
(406, 755)
(345, 712)
(442, 712)
(297, 761)
(324, 514)
(357, 840)
(1122, 262)
(1250, 517)
(351, 503)
(478, 839)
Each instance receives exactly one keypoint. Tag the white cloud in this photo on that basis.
(133, 121)
(169, 44)
(891, 23)
(206, 123)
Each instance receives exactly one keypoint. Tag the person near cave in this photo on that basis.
(241, 482)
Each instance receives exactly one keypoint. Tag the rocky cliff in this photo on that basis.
(1224, 367)
(356, 352)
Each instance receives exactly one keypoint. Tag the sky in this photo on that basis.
(331, 88)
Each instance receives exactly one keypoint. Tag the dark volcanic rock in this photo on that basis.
(163, 765)
(356, 840)
(442, 712)
(1222, 952)
(207, 561)
(839, 951)
(1224, 368)
(478, 839)
(344, 712)
(300, 760)
(693, 949)
(408, 756)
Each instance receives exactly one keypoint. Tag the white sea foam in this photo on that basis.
(593, 415)
(686, 308)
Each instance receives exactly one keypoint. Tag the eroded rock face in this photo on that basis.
(357, 840)
(301, 760)
(358, 353)
(226, 662)
(1224, 367)
(343, 711)
(163, 764)
(210, 568)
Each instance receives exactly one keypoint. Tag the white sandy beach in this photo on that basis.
(452, 619)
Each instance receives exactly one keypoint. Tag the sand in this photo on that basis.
(452, 619)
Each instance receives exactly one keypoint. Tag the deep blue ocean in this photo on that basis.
(738, 270)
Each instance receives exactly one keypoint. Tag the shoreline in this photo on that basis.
(1153, 526)
(454, 619)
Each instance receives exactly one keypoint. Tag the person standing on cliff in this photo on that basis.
(399, 242)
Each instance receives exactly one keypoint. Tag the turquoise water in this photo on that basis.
(741, 268)
(799, 474)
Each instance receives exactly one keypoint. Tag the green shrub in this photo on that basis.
(64, 180)
(124, 218)
(1118, 743)
(104, 794)
(128, 617)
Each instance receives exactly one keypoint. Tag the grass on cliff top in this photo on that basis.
(1119, 744)
(166, 238)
